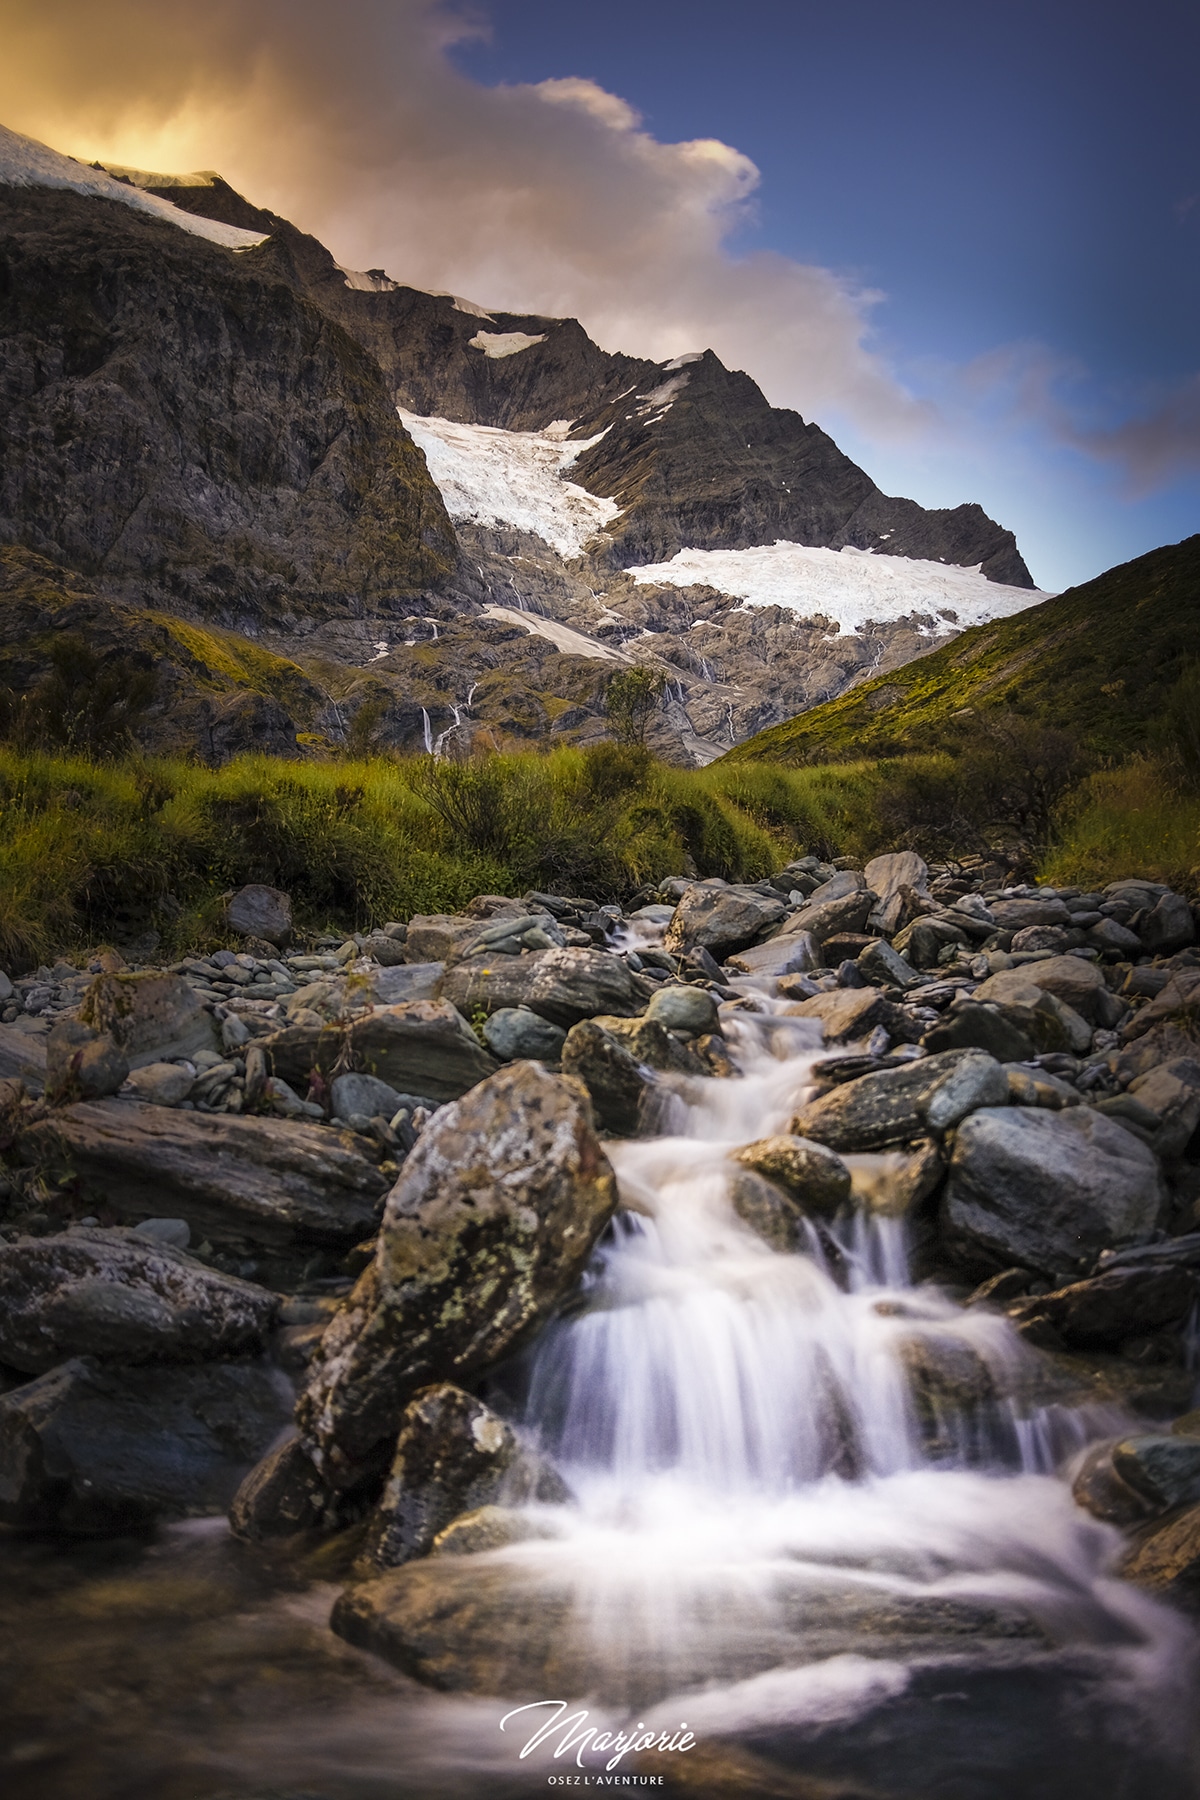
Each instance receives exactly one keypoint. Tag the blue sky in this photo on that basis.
(964, 238)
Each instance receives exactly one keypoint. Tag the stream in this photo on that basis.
(773, 1548)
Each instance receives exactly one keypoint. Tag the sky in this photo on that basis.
(965, 238)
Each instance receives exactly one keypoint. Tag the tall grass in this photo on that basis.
(1142, 818)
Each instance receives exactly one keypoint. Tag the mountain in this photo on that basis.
(1097, 661)
(462, 519)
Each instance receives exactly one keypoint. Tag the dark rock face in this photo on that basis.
(92, 1449)
(892, 1106)
(721, 919)
(489, 1225)
(178, 420)
(1118, 1304)
(122, 1297)
(616, 1083)
(563, 986)
(261, 912)
(418, 1046)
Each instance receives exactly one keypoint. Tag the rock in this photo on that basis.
(813, 1176)
(1172, 1092)
(260, 912)
(1047, 1190)
(388, 952)
(895, 1184)
(1167, 1559)
(151, 1017)
(489, 1225)
(282, 1496)
(261, 1179)
(616, 1082)
(891, 1106)
(789, 954)
(364, 1094)
(1029, 1085)
(1100, 1490)
(175, 1232)
(411, 981)
(948, 1381)
(1164, 1470)
(86, 1448)
(23, 1058)
(690, 1010)
(1119, 1303)
(81, 1064)
(721, 919)
(488, 1528)
(161, 1083)
(982, 1027)
(881, 966)
(1078, 983)
(651, 1045)
(1168, 927)
(1046, 1020)
(1016, 914)
(892, 877)
(439, 937)
(119, 1297)
(1040, 937)
(515, 1032)
(453, 1455)
(423, 1046)
(563, 986)
(846, 1014)
(1110, 934)
(768, 1210)
(830, 918)
(839, 884)
(923, 941)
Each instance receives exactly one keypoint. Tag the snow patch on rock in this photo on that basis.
(496, 344)
(26, 163)
(489, 476)
(851, 588)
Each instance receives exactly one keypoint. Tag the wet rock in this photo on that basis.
(282, 1496)
(721, 919)
(815, 1178)
(151, 1017)
(490, 1223)
(1048, 1190)
(95, 1449)
(1167, 1559)
(120, 1297)
(847, 1014)
(260, 912)
(891, 1106)
(691, 1010)
(421, 1046)
(515, 1033)
(82, 1064)
(1168, 927)
(923, 942)
(895, 1184)
(790, 953)
(161, 1083)
(262, 1179)
(488, 1528)
(1102, 1311)
(948, 1382)
(453, 1455)
(770, 1212)
(365, 1095)
(981, 1027)
(563, 986)
(893, 877)
(1100, 1490)
(882, 966)
(1164, 1470)
(615, 1080)
(650, 1044)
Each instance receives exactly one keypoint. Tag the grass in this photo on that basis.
(1142, 818)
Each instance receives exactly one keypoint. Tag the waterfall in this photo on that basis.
(428, 732)
(440, 741)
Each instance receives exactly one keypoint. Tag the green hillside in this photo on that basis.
(1097, 661)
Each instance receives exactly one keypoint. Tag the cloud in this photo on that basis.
(354, 122)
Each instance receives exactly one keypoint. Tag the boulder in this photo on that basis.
(420, 1046)
(161, 1083)
(891, 1106)
(650, 1043)
(1177, 1005)
(453, 1455)
(970, 1025)
(388, 952)
(256, 911)
(96, 1449)
(790, 953)
(121, 1297)
(515, 1033)
(23, 1057)
(895, 1184)
(768, 1210)
(1077, 982)
(1045, 1020)
(846, 1014)
(1098, 1488)
(1015, 914)
(490, 1224)
(813, 1176)
(721, 919)
(362, 1095)
(1047, 1190)
(151, 1017)
(830, 918)
(391, 985)
(488, 1528)
(882, 966)
(439, 937)
(923, 942)
(262, 1179)
(690, 1010)
(1111, 935)
(1168, 927)
(1164, 1470)
(1172, 1092)
(1167, 1559)
(893, 877)
(283, 1496)
(563, 986)
(82, 1064)
(616, 1082)
(1119, 1303)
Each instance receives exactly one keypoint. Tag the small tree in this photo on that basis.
(630, 699)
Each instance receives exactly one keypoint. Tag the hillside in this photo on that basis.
(1096, 661)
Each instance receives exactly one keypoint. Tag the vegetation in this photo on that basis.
(630, 699)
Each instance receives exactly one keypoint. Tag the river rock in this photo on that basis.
(882, 966)
(617, 1083)
(895, 1184)
(283, 1496)
(489, 1528)
(151, 1017)
(1169, 926)
(420, 1046)
(1077, 982)
(516, 1032)
(1047, 1190)
(1015, 914)
(690, 1010)
(891, 1106)
(894, 877)
(82, 1064)
(1119, 1303)
(1167, 1559)
(1098, 1488)
(439, 937)
(981, 1027)
(824, 919)
(1048, 1022)
(489, 1225)
(791, 953)
(161, 1083)
(96, 1449)
(923, 941)
(721, 919)
(391, 985)
(118, 1296)
(563, 986)
(23, 1057)
(815, 1178)
(389, 953)
(364, 1095)
(1165, 1470)
(846, 1014)
(262, 1179)
(256, 911)
(1172, 1092)
(650, 1044)
(453, 1455)
(770, 1212)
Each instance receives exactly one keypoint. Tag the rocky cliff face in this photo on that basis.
(181, 423)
